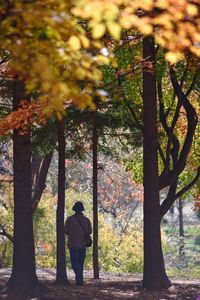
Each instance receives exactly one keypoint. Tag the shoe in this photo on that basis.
(79, 282)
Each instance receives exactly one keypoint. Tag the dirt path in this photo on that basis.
(110, 286)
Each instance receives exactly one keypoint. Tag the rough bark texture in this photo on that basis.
(61, 274)
(154, 270)
(95, 199)
(23, 277)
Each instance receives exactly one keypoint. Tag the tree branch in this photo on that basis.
(184, 75)
(188, 187)
(165, 126)
(137, 123)
(5, 233)
(169, 131)
(192, 84)
(166, 204)
(192, 119)
(40, 184)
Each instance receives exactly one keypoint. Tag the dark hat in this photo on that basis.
(78, 206)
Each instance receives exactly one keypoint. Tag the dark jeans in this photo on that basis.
(77, 257)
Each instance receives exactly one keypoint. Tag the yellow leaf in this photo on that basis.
(98, 30)
(86, 63)
(80, 73)
(112, 12)
(74, 43)
(195, 50)
(95, 75)
(160, 40)
(192, 10)
(146, 29)
(196, 37)
(85, 41)
(97, 44)
(102, 59)
(114, 29)
(173, 57)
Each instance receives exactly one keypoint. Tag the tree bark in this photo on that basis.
(23, 277)
(192, 120)
(61, 273)
(4, 232)
(41, 180)
(154, 275)
(173, 152)
(169, 200)
(181, 229)
(95, 198)
(35, 167)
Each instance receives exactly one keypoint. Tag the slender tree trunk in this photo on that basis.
(61, 273)
(3, 255)
(41, 180)
(154, 275)
(35, 167)
(171, 210)
(23, 277)
(181, 229)
(95, 198)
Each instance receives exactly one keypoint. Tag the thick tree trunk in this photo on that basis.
(61, 274)
(95, 199)
(154, 269)
(23, 278)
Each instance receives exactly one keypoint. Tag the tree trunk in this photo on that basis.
(35, 167)
(171, 210)
(95, 198)
(154, 275)
(181, 229)
(23, 277)
(61, 274)
(41, 180)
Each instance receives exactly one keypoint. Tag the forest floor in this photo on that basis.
(110, 286)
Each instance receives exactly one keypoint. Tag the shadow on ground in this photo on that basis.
(97, 290)
(109, 287)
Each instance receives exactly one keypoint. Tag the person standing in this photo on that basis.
(78, 228)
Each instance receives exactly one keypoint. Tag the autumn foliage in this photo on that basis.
(23, 117)
(54, 46)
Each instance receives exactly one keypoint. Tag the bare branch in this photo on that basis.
(40, 184)
(167, 203)
(184, 75)
(192, 119)
(137, 123)
(5, 233)
(192, 84)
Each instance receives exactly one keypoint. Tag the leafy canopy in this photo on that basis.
(54, 46)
